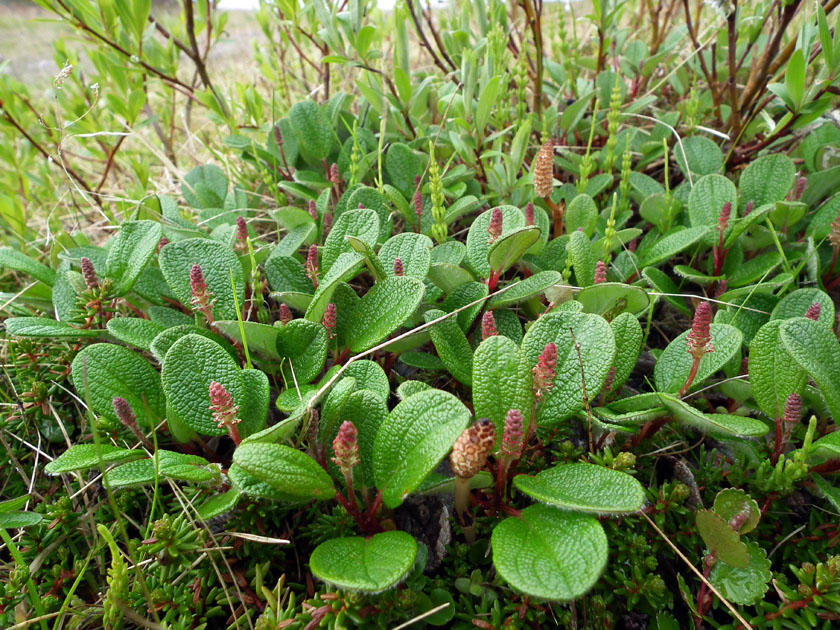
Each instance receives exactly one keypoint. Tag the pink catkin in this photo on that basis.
(334, 177)
(312, 209)
(494, 230)
(329, 320)
(418, 200)
(512, 437)
(600, 272)
(221, 404)
(123, 410)
(284, 314)
(346, 448)
(725, 213)
(311, 265)
(399, 270)
(543, 372)
(488, 325)
(529, 214)
(749, 207)
(700, 337)
(241, 229)
(813, 311)
(89, 274)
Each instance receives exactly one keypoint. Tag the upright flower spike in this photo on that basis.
(241, 230)
(784, 425)
(600, 272)
(334, 178)
(202, 300)
(470, 451)
(312, 209)
(399, 270)
(346, 448)
(543, 372)
(813, 311)
(89, 274)
(163, 242)
(278, 136)
(544, 170)
(311, 265)
(284, 314)
(127, 418)
(511, 446)
(418, 204)
(224, 411)
(834, 233)
(329, 321)
(749, 207)
(326, 224)
(488, 325)
(529, 214)
(700, 337)
(494, 230)
(725, 213)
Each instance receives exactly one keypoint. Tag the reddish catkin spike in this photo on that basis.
(608, 383)
(329, 320)
(360, 206)
(241, 230)
(813, 311)
(346, 448)
(600, 272)
(793, 409)
(543, 372)
(834, 232)
(123, 410)
(418, 202)
(725, 213)
(162, 243)
(798, 188)
(399, 270)
(312, 209)
(512, 437)
(201, 299)
(89, 274)
(494, 230)
(334, 178)
(488, 325)
(544, 170)
(749, 207)
(224, 411)
(278, 136)
(700, 337)
(326, 224)
(529, 214)
(284, 314)
(470, 451)
(311, 265)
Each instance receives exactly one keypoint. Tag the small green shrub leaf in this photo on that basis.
(219, 504)
(286, 274)
(253, 411)
(767, 179)
(774, 374)
(163, 341)
(452, 346)
(10, 520)
(370, 565)
(415, 437)
(796, 304)
(721, 539)
(45, 327)
(698, 155)
(744, 585)
(673, 366)
(171, 465)
(369, 375)
(414, 250)
(134, 331)
(13, 259)
(549, 553)
(527, 288)
(305, 344)
(382, 310)
(581, 213)
(84, 456)
(706, 200)
(613, 298)
(261, 338)
(628, 344)
(216, 261)
(672, 244)
(346, 266)
(130, 252)
(733, 501)
(190, 365)
(721, 424)
(312, 129)
(361, 223)
(583, 487)
(205, 186)
(814, 347)
(501, 381)
(478, 245)
(285, 469)
(510, 248)
(583, 259)
(104, 370)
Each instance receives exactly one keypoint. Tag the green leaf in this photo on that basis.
(333, 407)
(410, 387)
(414, 250)
(527, 288)
(597, 352)
(312, 130)
(796, 304)
(613, 298)
(287, 274)
(773, 372)
(190, 365)
(754, 269)
(15, 260)
(581, 213)
(346, 266)
(478, 246)
(361, 223)
(673, 366)
(171, 465)
(163, 341)
(205, 187)
(795, 77)
(382, 310)
(486, 101)
(814, 347)
(216, 261)
(261, 338)
(464, 294)
(218, 505)
(402, 164)
(746, 585)
(371, 199)
(501, 382)
(550, 554)
(370, 565)
(767, 180)
(135, 331)
(452, 346)
(448, 276)
(369, 375)
(827, 447)
(285, 469)
(698, 154)
(368, 411)
(412, 441)
(583, 487)
(721, 539)
(733, 501)
(254, 409)
(130, 252)
(306, 344)
(508, 249)
(672, 244)
(84, 456)
(706, 200)
(721, 424)
(46, 327)
(628, 344)
(583, 259)
(104, 370)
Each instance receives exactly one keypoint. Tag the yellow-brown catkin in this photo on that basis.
(544, 170)
(472, 447)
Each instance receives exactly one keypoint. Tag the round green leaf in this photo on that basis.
(613, 298)
(414, 250)
(383, 309)
(508, 249)
(767, 179)
(46, 327)
(285, 469)
(673, 366)
(796, 304)
(452, 346)
(372, 564)
(698, 155)
(312, 130)
(584, 487)
(84, 456)
(722, 424)
(721, 539)
(732, 501)
(774, 374)
(135, 331)
(549, 553)
(369, 375)
(131, 251)
(415, 437)
(814, 347)
(527, 288)
(478, 246)
(745, 585)
(190, 365)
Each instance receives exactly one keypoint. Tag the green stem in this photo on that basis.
(775, 236)
(30, 585)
